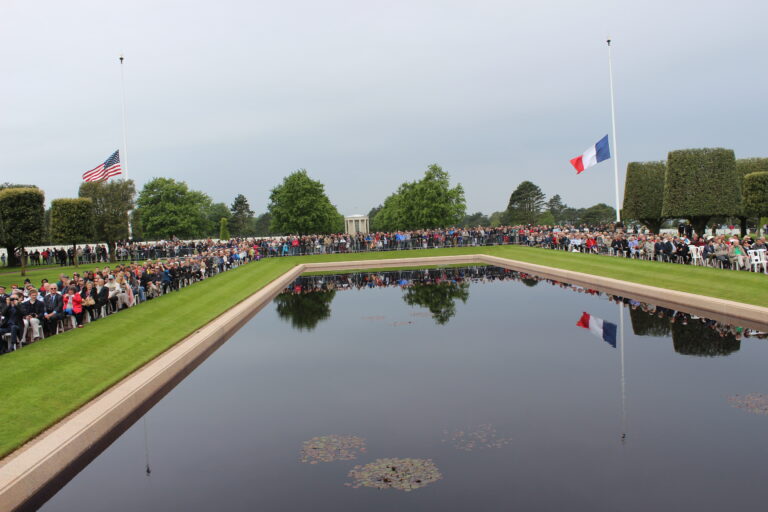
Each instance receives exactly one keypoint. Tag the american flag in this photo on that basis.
(110, 167)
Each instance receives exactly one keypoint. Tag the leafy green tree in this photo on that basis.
(746, 166)
(224, 229)
(72, 221)
(439, 298)
(215, 213)
(137, 228)
(261, 225)
(169, 208)
(241, 216)
(372, 217)
(701, 183)
(644, 193)
(756, 194)
(474, 220)
(299, 205)
(496, 219)
(525, 204)
(392, 214)
(598, 214)
(424, 204)
(555, 206)
(305, 310)
(112, 200)
(22, 215)
(545, 218)
(12, 261)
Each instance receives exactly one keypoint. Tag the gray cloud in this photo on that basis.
(231, 96)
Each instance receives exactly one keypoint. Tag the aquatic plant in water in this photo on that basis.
(402, 474)
(753, 402)
(478, 438)
(332, 448)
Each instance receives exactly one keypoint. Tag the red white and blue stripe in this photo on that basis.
(599, 327)
(110, 167)
(592, 156)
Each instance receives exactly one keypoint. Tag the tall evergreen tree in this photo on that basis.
(241, 217)
(525, 204)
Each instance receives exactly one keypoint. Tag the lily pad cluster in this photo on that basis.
(402, 474)
(753, 402)
(332, 448)
(478, 438)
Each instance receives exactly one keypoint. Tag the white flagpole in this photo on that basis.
(124, 159)
(613, 129)
(125, 122)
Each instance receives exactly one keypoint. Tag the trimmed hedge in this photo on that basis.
(644, 193)
(22, 215)
(756, 194)
(72, 220)
(701, 183)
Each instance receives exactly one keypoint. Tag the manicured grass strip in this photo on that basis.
(46, 381)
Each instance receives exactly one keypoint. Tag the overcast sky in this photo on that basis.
(231, 96)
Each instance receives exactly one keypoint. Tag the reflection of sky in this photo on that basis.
(226, 438)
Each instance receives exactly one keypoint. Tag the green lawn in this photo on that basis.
(46, 381)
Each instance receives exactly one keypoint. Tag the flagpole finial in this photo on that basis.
(121, 58)
(607, 41)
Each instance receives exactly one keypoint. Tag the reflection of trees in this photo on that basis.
(439, 298)
(304, 310)
(697, 339)
(529, 282)
(647, 324)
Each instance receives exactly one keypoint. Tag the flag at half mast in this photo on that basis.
(110, 167)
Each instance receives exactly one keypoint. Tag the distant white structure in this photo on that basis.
(354, 224)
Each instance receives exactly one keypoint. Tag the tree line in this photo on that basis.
(165, 208)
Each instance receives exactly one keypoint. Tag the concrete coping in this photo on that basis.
(36, 470)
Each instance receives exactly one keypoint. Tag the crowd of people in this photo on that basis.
(724, 251)
(31, 312)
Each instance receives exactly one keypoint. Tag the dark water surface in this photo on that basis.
(486, 388)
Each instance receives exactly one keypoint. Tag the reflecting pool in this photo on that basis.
(460, 389)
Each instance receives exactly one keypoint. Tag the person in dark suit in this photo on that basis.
(11, 323)
(101, 294)
(53, 310)
(667, 249)
(682, 251)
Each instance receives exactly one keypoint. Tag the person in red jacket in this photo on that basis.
(73, 305)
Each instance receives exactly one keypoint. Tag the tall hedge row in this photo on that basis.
(644, 193)
(701, 183)
(756, 194)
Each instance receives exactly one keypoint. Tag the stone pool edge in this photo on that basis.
(28, 470)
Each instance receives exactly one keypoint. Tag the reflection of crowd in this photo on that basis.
(480, 274)
(30, 313)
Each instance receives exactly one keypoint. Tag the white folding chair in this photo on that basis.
(696, 252)
(757, 258)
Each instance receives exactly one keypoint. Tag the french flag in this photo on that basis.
(592, 156)
(600, 328)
